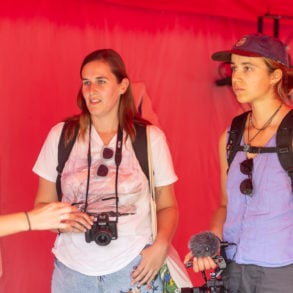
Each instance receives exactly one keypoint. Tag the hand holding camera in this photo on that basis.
(76, 222)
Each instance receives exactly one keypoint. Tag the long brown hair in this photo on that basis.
(127, 112)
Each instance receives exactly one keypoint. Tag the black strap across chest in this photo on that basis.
(283, 146)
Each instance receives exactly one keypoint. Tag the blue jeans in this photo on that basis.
(66, 280)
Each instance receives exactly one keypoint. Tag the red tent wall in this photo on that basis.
(42, 46)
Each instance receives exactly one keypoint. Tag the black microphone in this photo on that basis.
(208, 244)
(204, 244)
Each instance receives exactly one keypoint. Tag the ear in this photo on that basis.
(124, 85)
(276, 76)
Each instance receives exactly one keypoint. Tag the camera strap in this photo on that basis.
(118, 159)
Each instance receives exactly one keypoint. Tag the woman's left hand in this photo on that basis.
(152, 260)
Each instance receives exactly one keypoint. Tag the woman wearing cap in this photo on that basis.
(256, 211)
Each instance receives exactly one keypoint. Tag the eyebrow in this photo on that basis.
(243, 63)
(98, 77)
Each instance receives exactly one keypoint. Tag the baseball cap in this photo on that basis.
(256, 45)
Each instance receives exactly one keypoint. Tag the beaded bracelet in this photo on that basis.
(28, 221)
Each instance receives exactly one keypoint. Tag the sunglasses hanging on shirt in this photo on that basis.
(246, 186)
(107, 154)
(103, 169)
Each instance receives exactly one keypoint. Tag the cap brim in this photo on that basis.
(225, 56)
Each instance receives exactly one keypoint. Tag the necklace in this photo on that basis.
(267, 123)
(259, 130)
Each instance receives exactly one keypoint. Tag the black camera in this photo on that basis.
(213, 285)
(102, 231)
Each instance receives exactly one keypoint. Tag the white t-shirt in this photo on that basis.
(134, 223)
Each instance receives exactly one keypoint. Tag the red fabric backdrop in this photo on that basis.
(165, 45)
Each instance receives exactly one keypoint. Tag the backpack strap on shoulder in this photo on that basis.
(140, 147)
(284, 144)
(284, 140)
(64, 150)
(235, 135)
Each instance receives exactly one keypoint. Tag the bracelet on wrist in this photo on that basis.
(28, 221)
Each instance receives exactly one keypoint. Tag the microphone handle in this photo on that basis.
(204, 276)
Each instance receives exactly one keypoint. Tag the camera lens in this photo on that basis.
(103, 237)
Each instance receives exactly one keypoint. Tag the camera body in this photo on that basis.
(102, 231)
(215, 284)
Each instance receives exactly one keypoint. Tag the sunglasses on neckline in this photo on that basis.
(246, 186)
(103, 169)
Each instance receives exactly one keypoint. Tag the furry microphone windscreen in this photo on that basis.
(204, 244)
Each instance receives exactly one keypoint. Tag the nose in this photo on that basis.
(91, 88)
(236, 76)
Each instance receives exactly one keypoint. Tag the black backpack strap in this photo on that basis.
(140, 147)
(64, 150)
(284, 144)
(235, 135)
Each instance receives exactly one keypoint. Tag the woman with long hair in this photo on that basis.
(104, 179)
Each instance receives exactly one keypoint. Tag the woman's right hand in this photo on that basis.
(61, 216)
(199, 264)
(76, 222)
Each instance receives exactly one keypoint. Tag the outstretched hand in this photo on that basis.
(59, 215)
